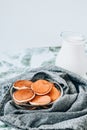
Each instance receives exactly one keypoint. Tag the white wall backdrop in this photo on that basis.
(31, 23)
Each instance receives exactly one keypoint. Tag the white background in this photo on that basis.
(33, 23)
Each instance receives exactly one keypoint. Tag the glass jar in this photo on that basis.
(72, 55)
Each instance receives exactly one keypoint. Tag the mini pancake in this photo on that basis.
(54, 93)
(23, 95)
(40, 100)
(41, 87)
(18, 103)
(22, 84)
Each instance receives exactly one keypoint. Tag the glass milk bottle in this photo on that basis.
(72, 55)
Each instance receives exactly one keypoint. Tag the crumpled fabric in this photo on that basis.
(68, 113)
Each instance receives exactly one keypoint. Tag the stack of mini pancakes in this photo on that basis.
(38, 93)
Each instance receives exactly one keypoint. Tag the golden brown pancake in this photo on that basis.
(22, 84)
(40, 100)
(41, 87)
(23, 95)
(54, 93)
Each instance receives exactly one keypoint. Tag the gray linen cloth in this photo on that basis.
(68, 113)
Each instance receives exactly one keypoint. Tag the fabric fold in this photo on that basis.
(70, 112)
